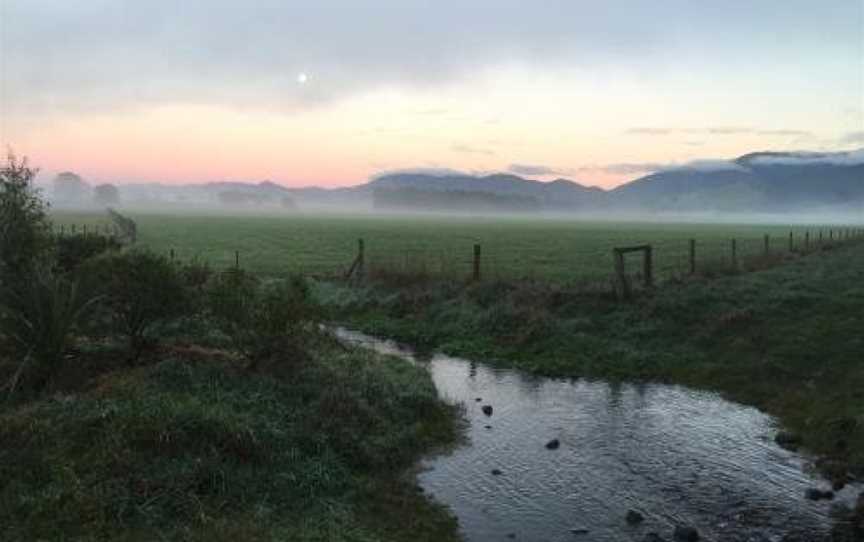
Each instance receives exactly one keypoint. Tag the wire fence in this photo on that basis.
(588, 261)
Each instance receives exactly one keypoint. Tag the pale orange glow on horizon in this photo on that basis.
(576, 129)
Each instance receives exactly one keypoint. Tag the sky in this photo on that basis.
(331, 92)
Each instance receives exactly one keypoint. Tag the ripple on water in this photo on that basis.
(677, 456)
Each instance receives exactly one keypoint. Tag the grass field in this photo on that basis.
(546, 249)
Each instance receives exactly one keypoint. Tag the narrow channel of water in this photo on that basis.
(674, 455)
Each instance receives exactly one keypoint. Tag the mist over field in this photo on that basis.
(758, 187)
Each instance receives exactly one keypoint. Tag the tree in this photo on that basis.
(70, 188)
(38, 308)
(24, 227)
(106, 194)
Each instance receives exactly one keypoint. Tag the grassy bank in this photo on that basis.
(787, 339)
(188, 445)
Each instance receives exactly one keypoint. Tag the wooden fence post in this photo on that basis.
(692, 256)
(791, 242)
(648, 266)
(621, 275)
(734, 253)
(476, 262)
(767, 244)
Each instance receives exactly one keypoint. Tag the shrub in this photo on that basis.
(73, 250)
(24, 228)
(265, 322)
(139, 290)
(37, 320)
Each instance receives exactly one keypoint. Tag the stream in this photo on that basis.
(676, 456)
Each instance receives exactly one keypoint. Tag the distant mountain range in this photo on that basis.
(774, 182)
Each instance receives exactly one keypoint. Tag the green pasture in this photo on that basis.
(512, 248)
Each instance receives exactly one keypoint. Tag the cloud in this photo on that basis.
(102, 54)
(647, 130)
(468, 149)
(719, 130)
(853, 137)
(625, 168)
(433, 171)
(850, 158)
(534, 169)
(728, 130)
(784, 132)
(707, 166)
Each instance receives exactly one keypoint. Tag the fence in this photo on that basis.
(662, 260)
(583, 257)
(120, 228)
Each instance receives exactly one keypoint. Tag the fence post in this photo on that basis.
(791, 242)
(734, 253)
(618, 258)
(476, 262)
(767, 244)
(831, 236)
(692, 256)
(237, 260)
(648, 269)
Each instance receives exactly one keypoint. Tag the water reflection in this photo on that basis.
(677, 456)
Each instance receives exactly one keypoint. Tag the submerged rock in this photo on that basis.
(685, 534)
(815, 494)
(487, 409)
(579, 531)
(496, 472)
(553, 444)
(634, 517)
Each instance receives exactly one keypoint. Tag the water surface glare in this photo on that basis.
(675, 455)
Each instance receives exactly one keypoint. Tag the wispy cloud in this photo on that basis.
(625, 168)
(648, 130)
(851, 158)
(536, 169)
(785, 132)
(469, 149)
(853, 137)
(718, 130)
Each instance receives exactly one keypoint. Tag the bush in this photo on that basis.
(139, 290)
(37, 320)
(73, 250)
(24, 228)
(265, 322)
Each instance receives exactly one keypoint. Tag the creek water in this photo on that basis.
(676, 456)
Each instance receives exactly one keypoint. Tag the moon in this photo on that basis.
(302, 78)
